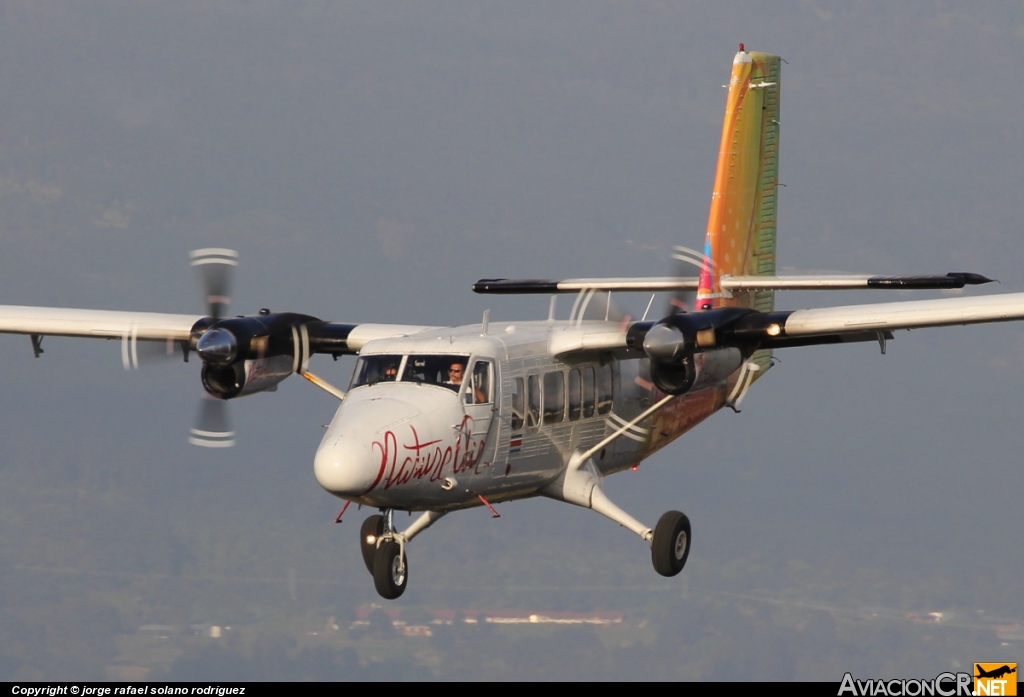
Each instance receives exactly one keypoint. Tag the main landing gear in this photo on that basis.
(383, 546)
(383, 549)
(580, 484)
(670, 544)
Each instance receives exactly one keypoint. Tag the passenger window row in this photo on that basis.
(545, 397)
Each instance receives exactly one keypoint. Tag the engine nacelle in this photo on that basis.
(684, 350)
(245, 377)
(695, 370)
(245, 355)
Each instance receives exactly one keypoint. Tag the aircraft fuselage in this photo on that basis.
(413, 442)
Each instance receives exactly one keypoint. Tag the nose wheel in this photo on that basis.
(390, 570)
(383, 550)
(671, 544)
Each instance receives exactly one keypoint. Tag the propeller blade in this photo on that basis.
(212, 429)
(599, 305)
(137, 354)
(683, 300)
(214, 266)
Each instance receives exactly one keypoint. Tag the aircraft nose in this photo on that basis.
(344, 466)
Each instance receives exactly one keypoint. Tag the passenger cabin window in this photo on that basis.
(554, 397)
(518, 413)
(374, 369)
(479, 389)
(532, 401)
(446, 371)
(588, 392)
(575, 395)
(604, 388)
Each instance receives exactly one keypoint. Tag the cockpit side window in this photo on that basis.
(479, 389)
(374, 369)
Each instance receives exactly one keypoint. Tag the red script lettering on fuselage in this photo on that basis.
(426, 460)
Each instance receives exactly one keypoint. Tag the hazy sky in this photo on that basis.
(371, 160)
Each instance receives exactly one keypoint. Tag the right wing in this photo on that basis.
(324, 337)
(96, 324)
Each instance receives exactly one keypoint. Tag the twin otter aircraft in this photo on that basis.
(442, 418)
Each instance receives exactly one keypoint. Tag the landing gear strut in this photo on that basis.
(580, 484)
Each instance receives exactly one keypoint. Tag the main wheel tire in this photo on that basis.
(671, 544)
(388, 580)
(372, 527)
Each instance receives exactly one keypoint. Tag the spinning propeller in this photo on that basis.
(683, 300)
(684, 347)
(212, 429)
(214, 267)
(243, 355)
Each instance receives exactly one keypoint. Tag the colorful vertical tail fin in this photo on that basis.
(741, 224)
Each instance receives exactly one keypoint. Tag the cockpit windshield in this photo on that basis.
(443, 370)
(374, 369)
(447, 371)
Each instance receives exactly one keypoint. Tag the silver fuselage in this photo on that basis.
(412, 445)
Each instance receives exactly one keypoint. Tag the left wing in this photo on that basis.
(741, 327)
(827, 325)
(912, 314)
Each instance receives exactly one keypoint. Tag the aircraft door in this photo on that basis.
(478, 396)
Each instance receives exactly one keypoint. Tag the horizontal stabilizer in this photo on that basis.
(529, 286)
(928, 282)
(535, 286)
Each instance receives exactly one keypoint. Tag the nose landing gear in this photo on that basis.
(390, 571)
(383, 549)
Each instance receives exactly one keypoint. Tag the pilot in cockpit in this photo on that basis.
(456, 371)
(390, 373)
